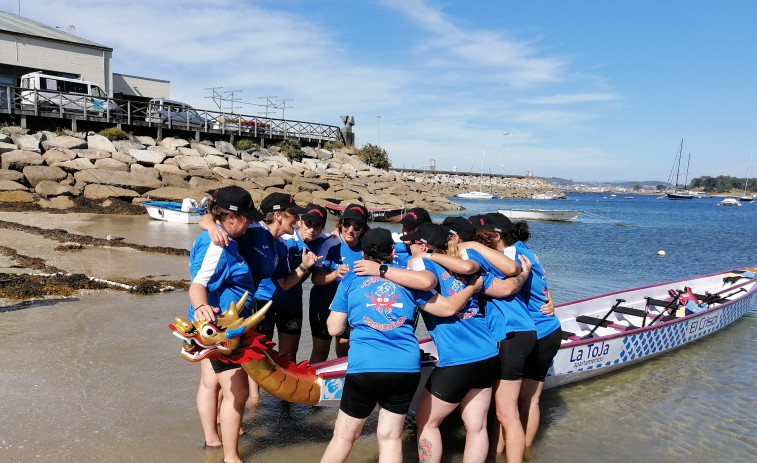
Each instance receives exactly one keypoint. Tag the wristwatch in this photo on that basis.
(382, 270)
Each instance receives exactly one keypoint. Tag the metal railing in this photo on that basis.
(14, 100)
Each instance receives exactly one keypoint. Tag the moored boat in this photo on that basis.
(187, 211)
(600, 334)
(545, 195)
(558, 215)
(476, 195)
(375, 214)
(729, 202)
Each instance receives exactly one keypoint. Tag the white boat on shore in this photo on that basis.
(187, 211)
(476, 195)
(600, 334)
(558, 215)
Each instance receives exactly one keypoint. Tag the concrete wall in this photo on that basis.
(90, 64)
(141, 86)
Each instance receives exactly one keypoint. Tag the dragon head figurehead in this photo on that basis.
(220, 339)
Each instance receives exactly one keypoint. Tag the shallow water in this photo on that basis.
(99, 377)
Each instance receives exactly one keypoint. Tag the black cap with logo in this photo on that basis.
(237, 200)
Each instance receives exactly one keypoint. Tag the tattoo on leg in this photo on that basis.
(424, 451)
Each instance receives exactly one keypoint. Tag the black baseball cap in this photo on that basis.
(459, 226)
(280, 202)
(355, 212)
(237, 200)
(496, 222)
(415, 217)
(430, 234)
(315, 213)
(476, 221)
(378, 242)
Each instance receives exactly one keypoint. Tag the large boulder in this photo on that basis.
(57, 202)
(111, 164)
(175, 194)
(47, 188)
(98, 142)
(53, 156)
(205, 150)
(226, 148)
(237, 164)
(26, 142)
(36, 174)
(191, 162)
(90, 153)
(204, 184)
(147, 158)
(98, 192)
(216, 161)
(10, 185)
(124, 146)
(75, 165)
(17, 196)
(12, 175)
(64, 142)
(5, 147)
(173, 143)
(139, 182)
(146, 141)
(19, 159)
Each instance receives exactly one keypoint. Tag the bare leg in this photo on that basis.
(207, 403)
(342, 346)
(320, 351)
(288, 344)
(346, 431)
(474, 408)
(389, 434)
(430, 414)
(528, 405)
(506, 399)
(235, 392)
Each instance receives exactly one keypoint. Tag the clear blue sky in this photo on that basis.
(588, 90)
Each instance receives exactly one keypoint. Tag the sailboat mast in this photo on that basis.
(686, 184)
(678, 168)
(746, 183)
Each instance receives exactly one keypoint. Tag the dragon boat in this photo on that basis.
(600, 334)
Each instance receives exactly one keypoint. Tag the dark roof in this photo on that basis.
(15, 24)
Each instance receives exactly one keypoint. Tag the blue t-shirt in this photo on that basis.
(464, 337)
(401, 254)
(265, 254)
(505, 315)
(335, 252)
(380, 313)
(534, 291)
(290, 299)
(224, 273)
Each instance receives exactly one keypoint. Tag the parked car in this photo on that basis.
(55, 92)
(175, 113)
(232, 124)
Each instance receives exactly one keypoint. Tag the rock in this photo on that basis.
(90, 153)
(124, 146)
(205, 150)
(147, 158)
(164, 169)
(101, 143)
(5, 147)
(97, 192)
(146, 141)
(226, 148)
(214, 161)
(26, 143)
(16, 196)
(139, 182)
(53, 156)
(12, 175)
(75, 165)
(140, 169)
(48, 188)
(124, 157)
(231, 174)
(10, 185)
(17, 160)
(204, 173)
(64, 142)
(58, 202)
(187, 152)
(111, 164)
(36, 174)
(175, 194)
(173, 143)
(269, 182)
(191, 162)
(237, 164)
(199, 183)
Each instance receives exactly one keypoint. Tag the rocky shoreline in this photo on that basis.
(88, 172)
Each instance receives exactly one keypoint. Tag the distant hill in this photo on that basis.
(629, 184)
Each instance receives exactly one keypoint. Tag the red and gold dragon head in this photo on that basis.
(220, 339)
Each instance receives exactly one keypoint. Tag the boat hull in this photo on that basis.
(170, 212)
(558, 215)
(476, 195)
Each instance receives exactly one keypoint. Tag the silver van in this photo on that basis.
(174, 113)
(54, 92)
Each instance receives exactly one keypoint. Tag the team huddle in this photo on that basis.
(480, 290)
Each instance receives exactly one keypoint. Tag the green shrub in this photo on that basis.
(333, 145)
(245, 144)
(114, 133)
(374, 156)
(292, 149)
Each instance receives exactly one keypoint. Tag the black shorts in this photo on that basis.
(452, 383)
(513, 351)
(318, 327)
(540, 358)
(220, 366)
(392, 391)
(283, 319)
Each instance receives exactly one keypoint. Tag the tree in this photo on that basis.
(637, 187)
(374, 156)
(660, 187)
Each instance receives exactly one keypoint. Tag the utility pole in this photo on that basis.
(282, 105)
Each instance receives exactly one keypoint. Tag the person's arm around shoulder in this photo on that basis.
(509, 286)
(423, 280)
(455, 264)
(548, 308)
(447, 306)
(217, 235)
(500, 261)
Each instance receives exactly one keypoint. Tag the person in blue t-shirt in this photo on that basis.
(221, 276)
(384, 361)
(548, 330)
(410, 222)
(285, 315)
(468, 358)
(340, 254)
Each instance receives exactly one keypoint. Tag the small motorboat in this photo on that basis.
(558, 215)
(375, 214)
(545, 195)
(600, 334)
(476, 195)
(187, 211)
(729, 202)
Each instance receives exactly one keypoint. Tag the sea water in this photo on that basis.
(99, 377)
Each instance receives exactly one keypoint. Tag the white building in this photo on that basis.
(28, 46)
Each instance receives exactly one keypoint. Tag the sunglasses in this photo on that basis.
(355, 226)
(312, 224)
